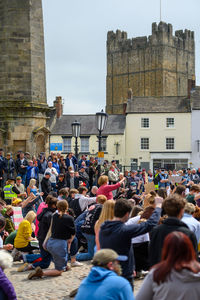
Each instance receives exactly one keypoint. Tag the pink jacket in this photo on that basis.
(106, 190)
(40, 209)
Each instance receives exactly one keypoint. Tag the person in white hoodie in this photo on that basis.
(53, 173)
(177, 276)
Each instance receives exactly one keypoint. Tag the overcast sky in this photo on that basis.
(75, 42)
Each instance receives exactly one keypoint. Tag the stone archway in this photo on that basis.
(40, 144)
(40, 140)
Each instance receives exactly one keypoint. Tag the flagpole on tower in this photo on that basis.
(160, 10)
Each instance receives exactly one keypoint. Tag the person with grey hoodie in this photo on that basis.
(177, 276)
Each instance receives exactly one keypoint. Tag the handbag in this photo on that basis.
(44, 245)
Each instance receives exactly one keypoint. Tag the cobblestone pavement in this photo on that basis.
(51, 288)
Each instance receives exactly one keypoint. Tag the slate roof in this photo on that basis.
(158, 105)
(195, 98)
(115, 125)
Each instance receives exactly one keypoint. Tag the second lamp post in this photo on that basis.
(76, 130)
(101, 121)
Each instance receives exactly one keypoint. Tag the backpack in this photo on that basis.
(91, 217)
(74, 204)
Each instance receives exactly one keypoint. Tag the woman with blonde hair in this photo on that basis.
(32, 190)
(107, 214)
(106, 189)
(24, 237)
(32, 187)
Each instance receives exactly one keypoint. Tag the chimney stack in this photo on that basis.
(59, 106)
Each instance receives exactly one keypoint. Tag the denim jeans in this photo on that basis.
(46, 258)
(91, 243)
(31, 257)
(59, 252)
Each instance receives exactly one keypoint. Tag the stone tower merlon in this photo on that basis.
(158, 65)
(161, 34)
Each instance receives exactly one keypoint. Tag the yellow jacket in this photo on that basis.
(23, 234)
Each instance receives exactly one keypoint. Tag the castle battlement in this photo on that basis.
(162, 34)
(158, 65)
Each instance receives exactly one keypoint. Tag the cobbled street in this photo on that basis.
(54, 288)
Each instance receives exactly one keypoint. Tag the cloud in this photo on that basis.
(75, 42)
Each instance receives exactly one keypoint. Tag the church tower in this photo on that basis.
(23, 103)
(161, 65)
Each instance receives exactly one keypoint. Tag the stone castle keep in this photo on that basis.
(160, 65)
(23, 103)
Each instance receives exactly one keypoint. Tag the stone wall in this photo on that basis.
(23, 104)
(159, 65)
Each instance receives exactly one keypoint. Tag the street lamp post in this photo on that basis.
(76, 129)
(101, 121)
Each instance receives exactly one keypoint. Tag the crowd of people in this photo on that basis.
(135, 224)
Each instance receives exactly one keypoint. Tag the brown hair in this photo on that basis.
(162, 193)
(73, 191)
(153, 193)
(52, 201)
(81, 189)
(48, 198)
(135, 211)
(62, 206)
(195, 188)
(101, 199)
(63, 191)
(147, 212)
(102, 180)
(173, 204)
(180, 189)
(8, 208)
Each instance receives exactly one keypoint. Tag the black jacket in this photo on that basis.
(2, 164)
(20, 170)
(44, 219)
(60, 185)
(117, 236)
(9, 165)
(159, 233)
(46, 187)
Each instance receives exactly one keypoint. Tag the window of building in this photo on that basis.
(134, 164)
(84, 144)
(169, 143)
(144, 122)
(104, 144)
(144, 143)
(170, 122)
(67, 144)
